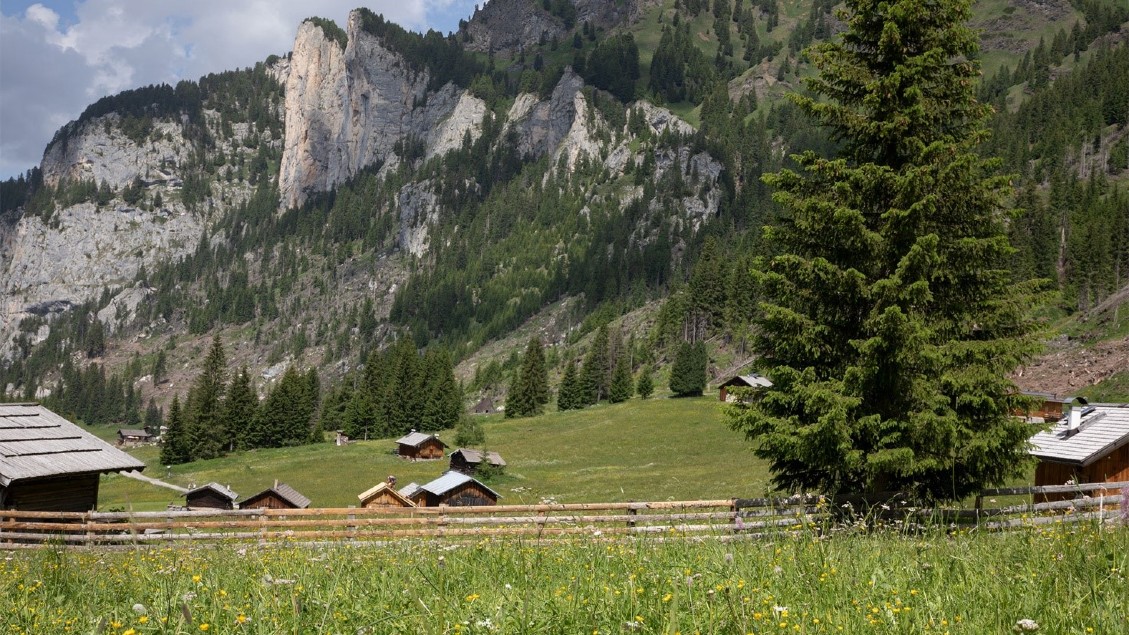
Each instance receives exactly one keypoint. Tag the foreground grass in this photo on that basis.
(654, 449)
(1067, 579)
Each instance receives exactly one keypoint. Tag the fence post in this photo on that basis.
(441, 526)
(352, 529)
(631, 513)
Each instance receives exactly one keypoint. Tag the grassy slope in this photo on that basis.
(656, 449)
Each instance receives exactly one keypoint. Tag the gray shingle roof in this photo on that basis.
(1100, 432)
(416, 438)
(215, 487)
(35, 442)
(409, 490)
(475, 456)
(286, 493)
(126, 432)
(450, 481)
(752, 380)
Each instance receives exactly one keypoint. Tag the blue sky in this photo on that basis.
(58, 56)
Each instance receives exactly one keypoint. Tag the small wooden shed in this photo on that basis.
(210, 496)
(1049, 406)
(485, 406)
(468, 461)
(420, 446)
(279, 496)
(456, 490)
(50, 464)
(125, 435)
(384, 494)
(1089, 445)
(752, 380)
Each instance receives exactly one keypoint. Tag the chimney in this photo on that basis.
(1074, 416)
(391, 480)
(276, 482)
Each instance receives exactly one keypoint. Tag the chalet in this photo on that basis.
(751, 380)
(456, 490)
(280, 496)
(50, 464)
(1048, 406)
(1089, 445)
(419, 446)
(384, 494)
(133, 436)
(468, 461)
(210, 496)
(485, 406)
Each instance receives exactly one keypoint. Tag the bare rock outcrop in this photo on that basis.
(99, 150)
(347, 108)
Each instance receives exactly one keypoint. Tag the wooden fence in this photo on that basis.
(727, 517)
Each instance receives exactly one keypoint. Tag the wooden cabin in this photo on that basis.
(1048, 407)
(751, 380)
(1089, 445)
(280, 496)
(50, 464)
(126, 435)
(485, 406)
(384, 495)
(210, 496)
(456, 490)
(419, 446)
(468, 461)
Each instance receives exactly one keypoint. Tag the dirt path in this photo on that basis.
(141, 477)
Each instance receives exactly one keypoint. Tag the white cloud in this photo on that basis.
(50, 71)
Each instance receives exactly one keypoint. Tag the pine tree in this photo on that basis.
(645, 386)
(202, 413)
(622, 386)
(239, 407)
(443, 404)
(469, 433)
(568, 395)
(595, 375)
(174, 442)
(529, 391)
(688, 373)
(405, 399)
(889, 324)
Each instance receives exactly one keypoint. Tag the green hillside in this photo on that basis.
(654, 449)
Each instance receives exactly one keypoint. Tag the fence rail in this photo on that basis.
(722, 517)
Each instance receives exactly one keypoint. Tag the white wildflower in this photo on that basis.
(1025, 625)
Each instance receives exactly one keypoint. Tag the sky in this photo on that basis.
(59, 56)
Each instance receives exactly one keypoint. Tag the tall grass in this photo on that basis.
(1066, 579)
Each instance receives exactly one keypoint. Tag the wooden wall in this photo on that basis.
(465, 495)
(383, 498)
(430, 449)
(208, 500)
(1113, 468)
(71, 493)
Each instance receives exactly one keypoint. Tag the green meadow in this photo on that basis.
(640, 450)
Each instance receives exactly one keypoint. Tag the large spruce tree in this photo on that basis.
(174, 442)
(889, 324)
(529, 391)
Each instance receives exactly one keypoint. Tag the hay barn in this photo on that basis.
(420, 446)
(456, 490)
(469, 461)
(279, 496)
(210, 496)
(1089, 445)
(50, 464)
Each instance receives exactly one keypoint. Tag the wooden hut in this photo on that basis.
(384, 494)
(126, 435)
(50, 464)
(485, 406)
(1048, 407)
(751, 380)
(457, 490)
(280, 496)
(210, 496)
(420, 446)
(468, 461)
(1089, 445)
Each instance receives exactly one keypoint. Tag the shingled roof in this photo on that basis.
(475, 457)
(451, 480)
(284, 492)
(37, 443)
(1102, 429)
(416, 438)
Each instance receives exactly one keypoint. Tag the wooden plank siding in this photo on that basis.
(71, 493)
(1111, 468)
(207, 499)
(465, 495)
(430, 449)
(384, 498)
(265, 500)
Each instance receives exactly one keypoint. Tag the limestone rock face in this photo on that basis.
(541, 126)
(509, 26)
(47, 269)
(347, 109)
(418, 209)
(98, 150)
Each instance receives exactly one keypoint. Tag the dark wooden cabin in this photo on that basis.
(133, 436)
(485, 406)
(280, 496)
(50, 464)
(468, 461)
(1089, 445)
(419, 446)
(384, 494)
(1048, 406)
(751, 380)
(210, 496)
(456, 490)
